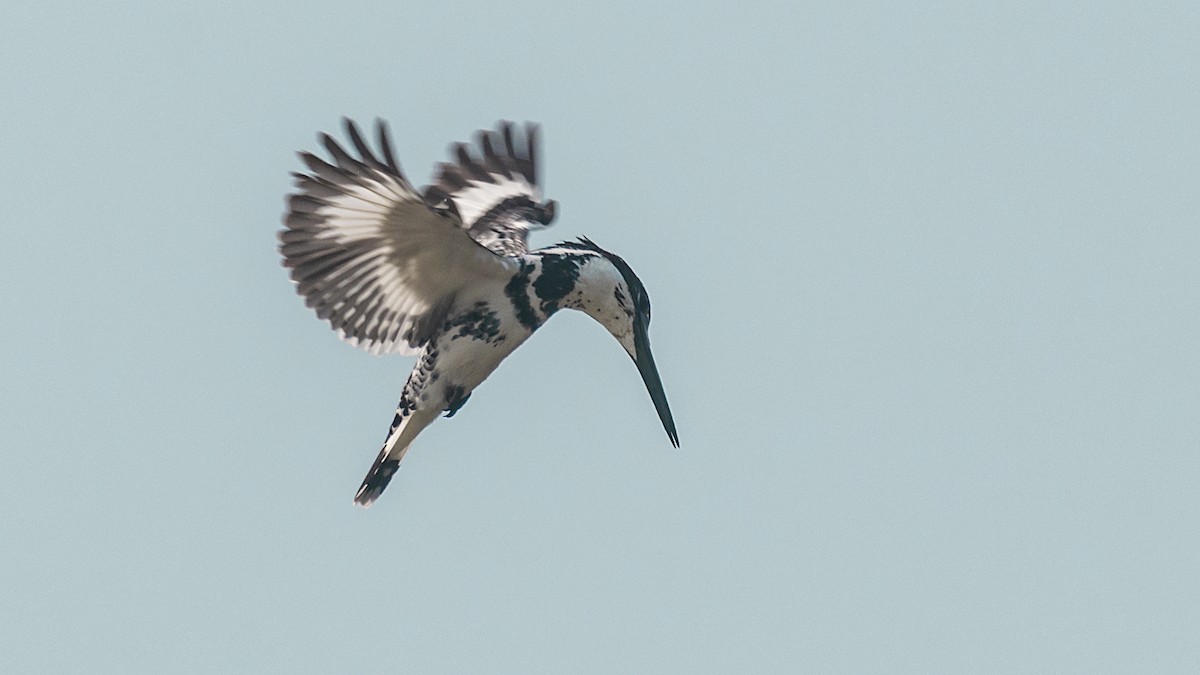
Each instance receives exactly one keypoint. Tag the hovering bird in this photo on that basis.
(446, 273)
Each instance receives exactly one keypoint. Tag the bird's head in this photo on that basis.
(612, 294)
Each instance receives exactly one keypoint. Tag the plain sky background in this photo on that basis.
(926, 301)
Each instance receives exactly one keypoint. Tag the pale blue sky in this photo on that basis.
(926, 300)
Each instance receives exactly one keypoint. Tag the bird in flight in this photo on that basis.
(446, 273)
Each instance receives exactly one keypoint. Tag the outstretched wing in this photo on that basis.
(495, 187)
(370, 255)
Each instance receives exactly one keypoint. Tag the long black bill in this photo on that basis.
(645, 366)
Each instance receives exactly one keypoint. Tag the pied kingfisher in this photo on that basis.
(446, 273)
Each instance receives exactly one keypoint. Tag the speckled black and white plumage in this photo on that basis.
(446, 272)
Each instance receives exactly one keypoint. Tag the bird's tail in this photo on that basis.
(404, 429)
(378, 477)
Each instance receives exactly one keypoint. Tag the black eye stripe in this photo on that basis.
(640, 298)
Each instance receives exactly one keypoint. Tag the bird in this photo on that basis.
(445, 273)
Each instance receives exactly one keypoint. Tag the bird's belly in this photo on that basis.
(468, 349)
(477, 338)
(467, 364)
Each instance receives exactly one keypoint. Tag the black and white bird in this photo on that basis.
(446, 273)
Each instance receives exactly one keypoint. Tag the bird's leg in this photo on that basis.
(456, 398)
